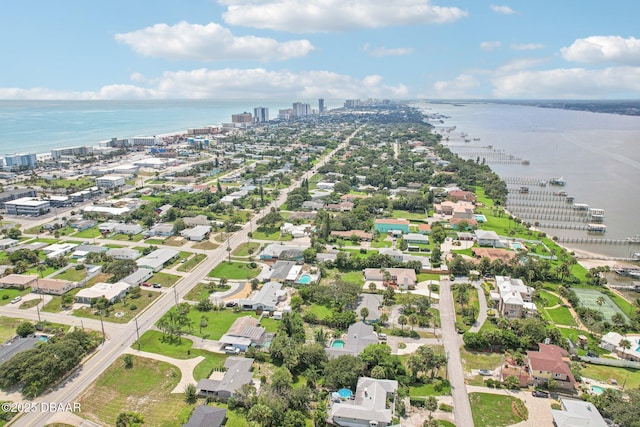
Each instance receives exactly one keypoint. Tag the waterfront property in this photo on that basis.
(514, 298)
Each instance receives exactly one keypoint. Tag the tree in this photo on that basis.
(190, 394)
(281, 380)
(25, 329)
(204, 322)
(600, 301)
(625, 344)
(372, 287)
(260, 414)
(293, 418)
(343, 371)
(618, 319)
(512, 382)
(402, 320)
(364, 312)
(129, 419)
(378, 372)
(431, 404)
(128, 361)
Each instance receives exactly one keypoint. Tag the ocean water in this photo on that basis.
(597, 154)
(39, 126)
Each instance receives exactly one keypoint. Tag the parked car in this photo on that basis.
(157, 285)
(16, 299)
(592, 354)
(231, 349)
(146, 284)
(382, 337)
(183, 260)
(231, 304)
(539, 393)
(485, 372)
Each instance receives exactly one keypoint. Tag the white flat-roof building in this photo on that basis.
(197, 233)
(123, 253)
(57, 249)
(110, 181)
(106, 210)
(29, 206)
(111, 291)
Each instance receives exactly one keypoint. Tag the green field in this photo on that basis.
(627, 376)
(6, 295)
(492, 410)
(428, 390)
(321, 311)
(128, 314)
(243, 249)
(234, 270)
(218, 322)
(561, 316)
(191, 263)
(144, 389)
(72, 275)
(477, 360)
(165, 279)
(8, 328)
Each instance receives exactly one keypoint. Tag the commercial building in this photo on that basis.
(157, 259)
(110, 181)
(29, 206)
(20, 161)
(260, 115)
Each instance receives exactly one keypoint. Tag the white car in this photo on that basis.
(16, 299)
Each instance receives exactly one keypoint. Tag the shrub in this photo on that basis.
(446, 408)
(133, 307)
(417, 402)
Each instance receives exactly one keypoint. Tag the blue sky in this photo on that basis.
(336, 49)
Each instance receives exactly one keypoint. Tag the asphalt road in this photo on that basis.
(452, 344)
(122, 338)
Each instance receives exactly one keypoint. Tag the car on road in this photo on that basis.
(157, 285)
(16, 299)
(485, 372)
(539, 393)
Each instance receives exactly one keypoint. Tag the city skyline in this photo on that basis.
(237, 49)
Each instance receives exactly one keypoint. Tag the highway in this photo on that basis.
(123, 337)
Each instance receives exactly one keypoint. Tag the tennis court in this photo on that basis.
(589, 297)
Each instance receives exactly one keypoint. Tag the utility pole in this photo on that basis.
(175, 294)
(38, 310)
(137, 332)
(102, 325)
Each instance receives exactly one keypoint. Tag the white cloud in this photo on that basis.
(568, 83)
(503, 10)
(255, 83)
(600, 49)
(488, 46)
(527, 46)
(460, 87)
(383, 51)
(210, 42)
(303, 16)
(519, 64)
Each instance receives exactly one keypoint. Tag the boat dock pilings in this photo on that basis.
(591, 240)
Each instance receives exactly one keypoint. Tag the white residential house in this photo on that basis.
(516, 299)
(488, 238)
(197, 233)
(123, 253)
(373, 405)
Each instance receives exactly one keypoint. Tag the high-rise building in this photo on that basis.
(241, 118)
(301, 110)
(18, 161)
(321, 105)
(260, 115)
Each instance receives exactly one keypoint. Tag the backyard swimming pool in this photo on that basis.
(304, 279)
(337, 344)
(345, 393)
(596, 389)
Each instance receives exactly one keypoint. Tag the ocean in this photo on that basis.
(39, 126)
(597, 154)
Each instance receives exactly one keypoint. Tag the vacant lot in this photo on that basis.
(492, 410)
(234, 270)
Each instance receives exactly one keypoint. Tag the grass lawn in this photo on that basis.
(141, 303)
(55, 305)
(445, 423)
(72, 274)
(207, 245)
(547, 299)
(165, 279)
(492, 410)
(29, 304)
(202, 291)
(321, 311)
(428, 390)
(127, 237)
(381, 242)
(605, 373)
(243, 249)
(191, 263)
(477, 360)
(234, 270)
(269, 324)
(6, 295)
(89, 233)
(409, 215)
(8, 327)
(561, 316)
(154, 241)
(271, 233)
(352, 277)
(144, 389)
(218, 322)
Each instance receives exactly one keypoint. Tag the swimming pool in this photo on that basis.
(43, 338)
(596, 389)
(337, 344)
(517, 245)
(304, 279)
(345, 393)
(480, 218)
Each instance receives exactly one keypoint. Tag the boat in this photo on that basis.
(526, 162)
(476, 139)
(557, 181)
(634, 239)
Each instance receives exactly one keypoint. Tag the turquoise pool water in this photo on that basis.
(337, 344)
(43, 338)
(480, 218)
(304, 279)
(345, 393)
(517, 245)
(595, 389)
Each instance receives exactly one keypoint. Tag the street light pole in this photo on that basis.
(102, 326)
(137, 332)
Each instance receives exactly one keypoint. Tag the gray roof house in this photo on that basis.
(359, 336)
(123, 253)
(488, 238)
(196, 220)
(157, 259)
(138, 277)
(207, 416)
(238, 373)
(373, 405)
(266, 298)
(130, 229)
(280, 270)
(161, 230)
(197, 233)
(243, 333)
(372, 302)
(577, 413)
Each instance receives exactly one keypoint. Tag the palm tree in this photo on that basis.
(384, 318)
(364, 312)
(413, 320)
(321, 336)
(600, 301)
(626, 345)
(402, 320)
